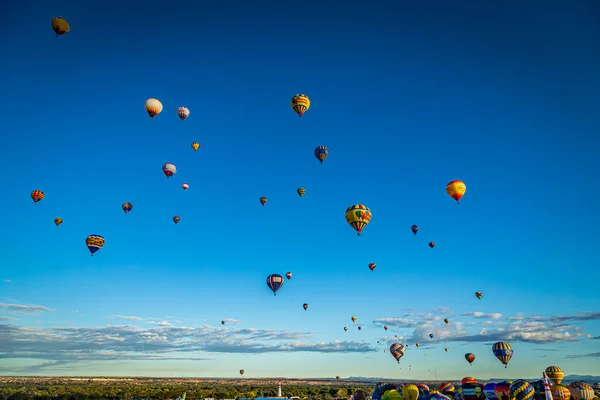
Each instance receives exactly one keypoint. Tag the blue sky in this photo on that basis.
(407, 97)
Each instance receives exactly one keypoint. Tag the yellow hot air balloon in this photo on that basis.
(358, 216)
(300, 104)
(555, 374)
(195, 146)
(60, 26)
(560, 392)
(456, 190)
(410, 392)
(353, 318)
(153, 107)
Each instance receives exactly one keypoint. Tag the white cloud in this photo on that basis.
(131, 318)
(23, 309)
(478, 314)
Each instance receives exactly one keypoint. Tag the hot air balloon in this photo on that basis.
(479, 295)
(372, 266)
(37, 195)
(345, 329)
(300, 104)
(446, 387)
(560, 392)
(353, 318)
(422, 387)
(432, 244)
(321, 152)
(456, 190)
(288, 275)
(555, 374)
(468, 379)
(153, 107)
(447, 321)
(417, 344)
(301, 191)
(488, 390)
(127, 206)
(385, 327)
(195, 146)
(360, 328)
(358, 216)
(410, 392)
(60, 26)
(521, 390)
(337, 378)
(414, 229)
(169, 170)
(263, 200)
(438, 396)
(472, 391)
(446, 349)
(397, 351)
(503, 352)
(305, 306)
(176, 219)
(274, 282)
(242, 372)
(58, 221)
(470, 357)
(502, 390)
(431, 335)
(581, 391)
(391, 394)
(222, 322)
(94, 243)
(185, 186)
(183, 113)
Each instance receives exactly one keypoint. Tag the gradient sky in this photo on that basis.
(406, 95)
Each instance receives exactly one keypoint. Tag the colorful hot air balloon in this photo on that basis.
(410, 392)
(242, 372)
(60, 26)
(195, 146)
(397, 351)
(263, 201)
(503, 352)
(446, 387)
(153, 107)
(521, 390)
(321, 152)
(274, 282)
(37, 195)
(358, 216)
(479, 295)
(438, 396)
(581, 391)
(468, 379)
(185, 186)
(488, 390)
(456, 190)
(183, 113)
(372, 266)
(414, 229)
(305, 306)
(385, 327)
(560, 392)
(288, 275)
(58, 221)
(423, 388)
(555, 374)
(300, 104)
(345, 329)
(94, 243)
(176, 219)
(502, 390)
(432, 244)
(127, 206)
(447, 321)
(301, 191)
(353, 318)
(169, 170)
(470, 357)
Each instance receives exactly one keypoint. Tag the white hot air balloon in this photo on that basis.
(169, 169)
(183, 113)
(153, 107)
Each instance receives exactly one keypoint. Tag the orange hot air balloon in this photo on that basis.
(58, 221)
(470, 357)
(479, 295)
(456, 190)
(386, 327)
(195, 146)
(263, 201)
(60, 26)
(37, 195)
(372, 266)
(185, 186)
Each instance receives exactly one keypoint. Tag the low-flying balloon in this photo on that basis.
(397, 351)
(503, 352)
(176, 219)
(321, 152)
(288, 275)
(470, 357)
(127, 206)
(300, 104)
(60, 26)
(301, 191)
(581, 391)
(555, 374)
(456, 190)
(94, 243)
(185, 186)
(183, 113)
(358, 216)
(37, 195)
(446, 387)
(263, 200)
(169, 170)
(195, 146)
(153, 107)
(274, 282)
(58, 221)
(372, 266)
(521, 390)
(502, 390)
